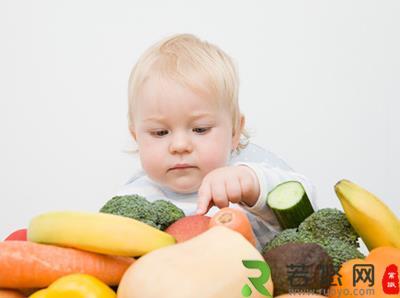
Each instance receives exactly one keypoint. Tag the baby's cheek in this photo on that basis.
(152, 164)
(214, 160)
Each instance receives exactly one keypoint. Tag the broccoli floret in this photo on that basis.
(159, 214)
(328, 223)
(341, 251)
(167, 213)
(328, 228)
(338, 249)
(132, 206)
(286, 236)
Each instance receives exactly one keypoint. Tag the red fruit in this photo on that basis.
(188, 227)
(17, 235)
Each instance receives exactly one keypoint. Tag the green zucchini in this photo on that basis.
(290, 204)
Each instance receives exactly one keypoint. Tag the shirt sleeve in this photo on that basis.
(269, 177)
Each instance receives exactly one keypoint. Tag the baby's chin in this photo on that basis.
(184, 187)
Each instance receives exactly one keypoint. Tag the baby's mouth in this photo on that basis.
(179, 167)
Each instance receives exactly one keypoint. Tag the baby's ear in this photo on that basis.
(238, 132)
(132, 131)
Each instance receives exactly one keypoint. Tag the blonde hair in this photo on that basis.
(194, 63)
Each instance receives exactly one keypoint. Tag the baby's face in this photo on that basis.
(182, 135)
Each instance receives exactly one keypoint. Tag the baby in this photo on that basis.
(185, 118)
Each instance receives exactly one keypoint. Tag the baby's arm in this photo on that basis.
(267, 170)
(248, 184)
(269, 177)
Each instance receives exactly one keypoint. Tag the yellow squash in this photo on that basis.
(207, 266)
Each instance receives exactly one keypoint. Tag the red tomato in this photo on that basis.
(17, 235)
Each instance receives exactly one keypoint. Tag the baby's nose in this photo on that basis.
(181, 143)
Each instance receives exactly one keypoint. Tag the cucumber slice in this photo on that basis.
(290, 204)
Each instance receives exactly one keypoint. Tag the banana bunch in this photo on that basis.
(97, 232)
(376, 224)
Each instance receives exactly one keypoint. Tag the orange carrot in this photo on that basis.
(25, 264)
(10, 294)
(235, 220)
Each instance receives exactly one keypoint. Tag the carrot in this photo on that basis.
(235, 220)
(10, 294)
(25, 264)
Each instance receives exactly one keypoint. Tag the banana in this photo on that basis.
(376, 224)
(97, 232)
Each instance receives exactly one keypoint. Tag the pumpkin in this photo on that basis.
(207, 266)
(382, 259)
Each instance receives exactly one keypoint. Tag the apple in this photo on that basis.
(188, 227)
(20, 234)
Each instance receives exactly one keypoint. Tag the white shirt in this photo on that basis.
(270, 170)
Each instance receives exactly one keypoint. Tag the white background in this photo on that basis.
(319, 86)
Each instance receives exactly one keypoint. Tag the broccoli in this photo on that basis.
(327, 227)
(341, 251)
(328, 223)
(159, 214)
(167, 213)
(284, 237)
(134, 206)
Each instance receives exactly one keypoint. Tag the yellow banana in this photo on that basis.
(97, 232)
(376, 224)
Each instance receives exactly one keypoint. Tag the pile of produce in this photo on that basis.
(324, 244)
(134, 248)
(328, 228)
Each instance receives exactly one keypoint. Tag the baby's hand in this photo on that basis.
(228, 184)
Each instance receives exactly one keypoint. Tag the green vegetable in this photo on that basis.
(328, 223)
(341, 251)
(159, 214)
(167, 213)
(327, 227)
(290, 204)
(284, 237)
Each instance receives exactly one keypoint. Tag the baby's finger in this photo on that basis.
(204, 201)
(234, 190)
(219, 195)
(210, 205)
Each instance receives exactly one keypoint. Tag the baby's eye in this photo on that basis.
(201, 130)
(159, 133)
